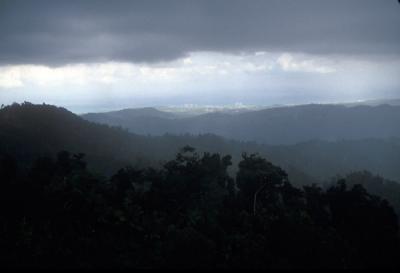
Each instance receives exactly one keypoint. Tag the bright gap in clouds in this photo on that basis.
(258, 78)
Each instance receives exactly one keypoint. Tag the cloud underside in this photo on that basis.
(260, 78)
(200, 66)
(56, 33)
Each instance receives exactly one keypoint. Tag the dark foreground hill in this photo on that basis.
(284, 125)
(29, 130)
(188, 212)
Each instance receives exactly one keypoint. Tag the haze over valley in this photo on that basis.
(200, 134)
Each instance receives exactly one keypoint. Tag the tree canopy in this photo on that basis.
(188, 214)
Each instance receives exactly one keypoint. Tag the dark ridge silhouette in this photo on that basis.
(29, 130)
(193, 209)
(188, 214)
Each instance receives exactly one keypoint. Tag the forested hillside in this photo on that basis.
(374, 184)
(188, 214)
(120, 200)
(29, 130)
(200, 135)
(281, 125)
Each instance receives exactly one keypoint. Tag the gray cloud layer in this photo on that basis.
(61, 32)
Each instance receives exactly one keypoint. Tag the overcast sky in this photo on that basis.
(100, 55)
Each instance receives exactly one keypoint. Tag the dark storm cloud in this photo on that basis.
(60, 32)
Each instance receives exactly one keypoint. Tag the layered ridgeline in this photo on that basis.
(275, 126)
(28, 130)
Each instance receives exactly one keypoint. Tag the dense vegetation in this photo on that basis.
(199, 210)
(28, 131)
(375, 184)
(189, 213)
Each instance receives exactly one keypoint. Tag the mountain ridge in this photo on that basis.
(32, 130)
(274, 126)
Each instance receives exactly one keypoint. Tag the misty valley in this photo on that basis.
(199, 135)
(113, 192)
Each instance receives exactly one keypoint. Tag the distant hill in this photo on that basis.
(121, 116)
(323, 159)
(282, 125)
(29, 130)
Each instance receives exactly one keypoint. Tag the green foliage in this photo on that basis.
(189, 211)
(28, 131)
(187, 214)
(377, 185)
